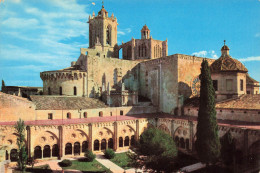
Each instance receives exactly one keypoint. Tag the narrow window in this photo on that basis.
(75, 91)
(50, 116)
(215, 84)
(60, 90)
(121, 112)
(241, 85)
(100, 114)
(68, 115)
(111, 114)
(49, 91)
(85, 114)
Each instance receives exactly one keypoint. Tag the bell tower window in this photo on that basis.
(108, 33)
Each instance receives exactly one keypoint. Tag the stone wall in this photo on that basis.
(13, 107)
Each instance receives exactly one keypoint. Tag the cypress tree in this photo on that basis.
(207, 143)
(22, 155)
(3, 85)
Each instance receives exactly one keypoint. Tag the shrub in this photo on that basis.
(65, 163)
(90, 156)
(109, 153)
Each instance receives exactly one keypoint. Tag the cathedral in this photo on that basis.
(102, 101)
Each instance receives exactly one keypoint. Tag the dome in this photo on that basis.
(225, 47)
(145, 28)
(227, 64)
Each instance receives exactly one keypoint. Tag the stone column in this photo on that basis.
(28, 129)
(191, 135)
(60, 144)
(90, 142)
(137, 130)
(51, 153)
(115, 135)
(72, 149)
(172, 128)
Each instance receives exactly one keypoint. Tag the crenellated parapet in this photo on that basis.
(65, 75)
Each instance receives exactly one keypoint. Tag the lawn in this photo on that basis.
(122, 160)
(84, 166)
(36, 169)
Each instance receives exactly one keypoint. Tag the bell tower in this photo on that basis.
(102, 29)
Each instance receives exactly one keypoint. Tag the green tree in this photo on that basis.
(22, 155)
(3, 86)
(155, 150)
(227, 149)
(207, 143)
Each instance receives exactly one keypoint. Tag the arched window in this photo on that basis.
(132, 140)
(126, 142)
(84, 146)
(139, 47)
(154, 51)
(85, 114)
(110, 143)
(96, 145)
(108, 32)
(187, 142)
(49, 91)
(76, 148)
(160, 52)
(6, 155)
(68, 115)
(13, 155)
(55, 150)
(100, 114)
(37, 152)
(103, 144)
(60, 90)
(68, 149)
(120, 142)
(46, 151)
(75, 91)
(176, 139)
(182, 143)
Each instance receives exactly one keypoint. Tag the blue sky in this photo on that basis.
(47, 35)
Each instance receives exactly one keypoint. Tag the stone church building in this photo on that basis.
(102, 102)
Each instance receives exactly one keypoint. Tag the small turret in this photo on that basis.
(145, 32)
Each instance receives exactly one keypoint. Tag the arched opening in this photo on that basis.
(68, 149)
(85, 114)
(108, 33)
(96, 145)
(182, 143)
(132, 140)
(254, 153)
(75, 91)
(37, 152)
(126, 142)
(120, 142)
(68, 115)
(176, 139)
(103, 144)
(110, 143)
(60, 90)
(49, 91)
(100, 114)
(55, 150)
(84, 146)
(76, 148)
(46, 151)
(13, 155)
(187, 144)
(6, 155)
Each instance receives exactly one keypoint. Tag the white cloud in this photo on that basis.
(252, 58)
(15, 1)
(204, 53)
(20, 23)
(123, 31)
(257, 34)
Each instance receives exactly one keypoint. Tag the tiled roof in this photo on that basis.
(228, 123)
(227, 63)
(65, 102)
(248, 101)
